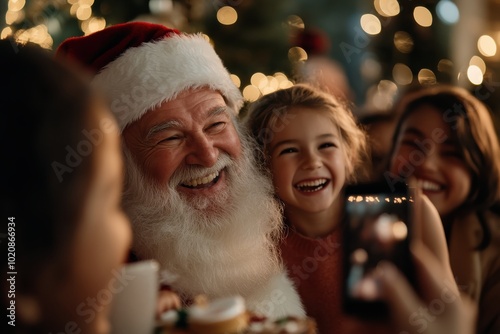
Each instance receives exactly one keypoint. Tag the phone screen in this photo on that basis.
(377, 228)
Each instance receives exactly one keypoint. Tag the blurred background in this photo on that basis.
(369, 50)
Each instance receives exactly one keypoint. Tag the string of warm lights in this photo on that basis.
(449, 14)
(381, 95)
(261, 84)
(373, 199)
(39, 29)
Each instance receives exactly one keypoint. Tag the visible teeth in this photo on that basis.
(312, 183)
(201, 180)
(310, 186)
(429, 185)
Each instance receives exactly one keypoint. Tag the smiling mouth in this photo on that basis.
(202, 182)
(312, 186)
(431, 186)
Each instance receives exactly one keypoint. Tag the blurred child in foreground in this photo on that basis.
(61, 182)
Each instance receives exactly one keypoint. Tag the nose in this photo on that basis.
(202, 152)
(430, 162)
(311, 161)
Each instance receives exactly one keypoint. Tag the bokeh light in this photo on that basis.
(474, 75)
(426, 77)
(74, 8)
(479, 62)
(272, 83)
(387, 89)
(236, 80)
(208, 39)
(422, 16)
(447, 11)
(257, 78)
(285, 84)
(265, 84)
(227, 15)
(296, 54)
(387, 8)
(160, 7)
(487, 46)
(16, 5)
(370, 24)
(402, 74)
(37, 34)
(445, 65)
(92, 25)
(12, 17)
(295, 22)
(359, 256)
(6, 32)
(83, 12)
(280, 76)
(251, 93)
(381, 96)
(403, 42)
(399, 230)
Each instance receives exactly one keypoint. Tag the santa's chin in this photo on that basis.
(207, 206)
(211, 197)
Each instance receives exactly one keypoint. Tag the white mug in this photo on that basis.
(133, 308)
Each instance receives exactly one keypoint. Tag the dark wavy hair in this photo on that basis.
(480, 149)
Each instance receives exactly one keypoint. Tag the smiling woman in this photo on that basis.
(434, 155)
(446, 139)
(71, 231)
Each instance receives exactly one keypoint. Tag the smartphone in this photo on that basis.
(377, 227)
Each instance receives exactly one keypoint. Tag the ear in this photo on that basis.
(28, 309)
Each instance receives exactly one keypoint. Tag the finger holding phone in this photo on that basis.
(438, 308)
(413, 289)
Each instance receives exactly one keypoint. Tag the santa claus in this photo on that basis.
(197, 201)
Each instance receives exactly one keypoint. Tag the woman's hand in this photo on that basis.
(438, 308)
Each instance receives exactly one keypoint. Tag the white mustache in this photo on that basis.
(190, 172)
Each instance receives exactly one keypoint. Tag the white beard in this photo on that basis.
(217, 246)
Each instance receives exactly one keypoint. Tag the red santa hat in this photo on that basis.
(140, 65)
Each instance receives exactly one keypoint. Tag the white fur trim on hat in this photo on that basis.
(143, 77)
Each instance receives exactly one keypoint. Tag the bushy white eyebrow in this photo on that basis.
(162, 127)
(218, 111)
(176, 124)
